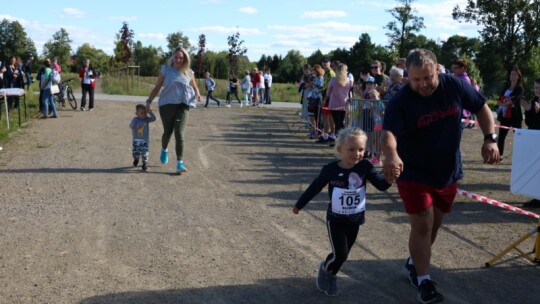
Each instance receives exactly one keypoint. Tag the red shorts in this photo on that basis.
(418, 197)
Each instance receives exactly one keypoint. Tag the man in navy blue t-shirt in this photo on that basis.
(421, 137)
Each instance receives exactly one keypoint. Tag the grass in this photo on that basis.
(32, 106)
(141, 86)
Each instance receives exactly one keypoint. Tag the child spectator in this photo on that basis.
(141, 133)
(232, 89)
(210, 85)
(313, 95)
(245, 85)
(346, 179)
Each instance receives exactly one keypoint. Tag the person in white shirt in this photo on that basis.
(267, 86)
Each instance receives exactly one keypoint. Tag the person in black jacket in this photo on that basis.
(509, 112)
(532, 119)
(347, 180)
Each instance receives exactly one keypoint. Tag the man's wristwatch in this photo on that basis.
(492, 137)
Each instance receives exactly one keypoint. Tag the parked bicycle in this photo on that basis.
(65, 90)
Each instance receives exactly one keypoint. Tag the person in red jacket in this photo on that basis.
(88, 83)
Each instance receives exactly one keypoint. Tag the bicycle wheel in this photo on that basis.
(58, 100)
(71, 98)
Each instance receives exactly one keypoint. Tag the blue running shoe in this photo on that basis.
(323, 278)
(180, 167)
(164, 156)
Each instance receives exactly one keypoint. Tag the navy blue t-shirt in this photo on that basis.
(428, 131)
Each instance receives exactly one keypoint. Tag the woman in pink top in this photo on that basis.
(338, 94)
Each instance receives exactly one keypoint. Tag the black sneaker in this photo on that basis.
(428, 294)
(410, 271)
(144, 167)
(321, 140)
(135, 162)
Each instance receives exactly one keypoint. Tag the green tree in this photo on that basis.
(361, 55)
(264, 62)
(148, 58)
(458, 47)
(175, 40)
(97, 57)
(221, 66)
(510, 29)
(200, 55)
(274, 65)
(290, 67)
(316, 58)
(123, 51)
(400, 31)
(14, 42)
(59, 47)
(340, 54)
(236, 50)
(421, 41)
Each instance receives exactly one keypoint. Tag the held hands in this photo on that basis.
(392, 168)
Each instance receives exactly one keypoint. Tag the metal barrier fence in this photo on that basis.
(367, 114)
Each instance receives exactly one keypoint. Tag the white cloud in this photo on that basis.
(154, 36)
(248, 10)
(71, 12)
(309, 29)
(226, 30)
(324, 14)
(123, 18)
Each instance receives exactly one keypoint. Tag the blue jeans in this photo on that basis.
(48, 101)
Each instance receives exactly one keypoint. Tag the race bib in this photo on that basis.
(348, 201)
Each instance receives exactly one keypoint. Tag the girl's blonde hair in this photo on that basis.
(341, 74)
(186, 63)
(343, 134)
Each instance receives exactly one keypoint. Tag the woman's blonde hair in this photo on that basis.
(186, 63)
(341, 74)
(343, 134)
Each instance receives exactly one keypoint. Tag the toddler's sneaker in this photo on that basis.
(180, 167)
(164, 156)
(332, 290)
(323, 278)
(144, 167)
(135, 162)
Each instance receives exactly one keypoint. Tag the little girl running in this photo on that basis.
(346, 180)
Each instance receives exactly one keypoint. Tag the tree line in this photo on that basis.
(509, 38)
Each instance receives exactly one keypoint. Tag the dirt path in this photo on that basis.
(80, 225)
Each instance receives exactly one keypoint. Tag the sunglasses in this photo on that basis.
(374, 67)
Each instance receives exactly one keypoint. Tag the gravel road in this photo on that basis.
(79, 224)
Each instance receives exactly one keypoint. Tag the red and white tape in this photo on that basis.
(496, 126)
(493, 202)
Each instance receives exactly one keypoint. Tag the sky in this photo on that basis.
(267, 27)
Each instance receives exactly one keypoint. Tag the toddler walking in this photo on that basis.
(346, 180)
(141, 132)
